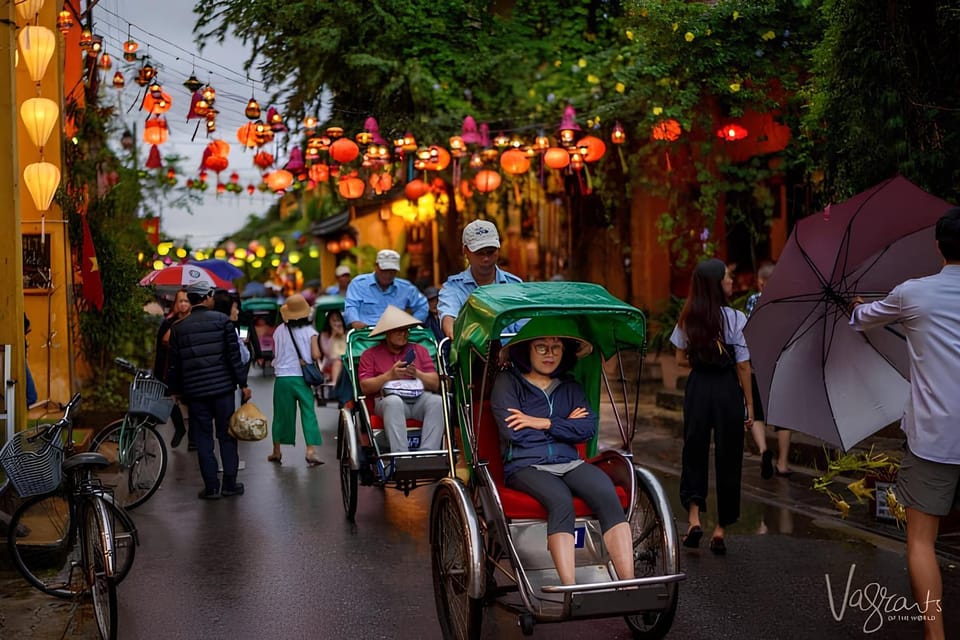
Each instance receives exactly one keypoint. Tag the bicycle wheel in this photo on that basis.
(43, 544)
(98, 556)
(138, 458)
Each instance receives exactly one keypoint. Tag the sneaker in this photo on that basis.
(206, 495)
(237, 490)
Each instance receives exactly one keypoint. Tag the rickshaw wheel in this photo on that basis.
(348, 475)
(460, 615)
(651, 554)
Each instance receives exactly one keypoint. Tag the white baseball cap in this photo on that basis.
(388, 260)
(342, 270)
(480, 234)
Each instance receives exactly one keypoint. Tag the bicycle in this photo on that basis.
(67, 538)
(132, 444)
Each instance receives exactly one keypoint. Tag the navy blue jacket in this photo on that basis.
(204, 356)
(534, 446)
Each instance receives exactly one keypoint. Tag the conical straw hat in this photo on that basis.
(393, 318)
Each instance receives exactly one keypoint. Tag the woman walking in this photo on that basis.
(293, 344)
(709, 339)
(161, 362)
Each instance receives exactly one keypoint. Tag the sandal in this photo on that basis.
(313, 462)
(275, 458)
(718, 546)
(692, 539)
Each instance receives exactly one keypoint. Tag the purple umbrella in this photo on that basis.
(816, 374)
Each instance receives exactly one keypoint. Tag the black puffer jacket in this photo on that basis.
(204, 356)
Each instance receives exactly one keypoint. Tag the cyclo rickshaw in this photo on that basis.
(488, 542)
(258, 320)
(362, 443)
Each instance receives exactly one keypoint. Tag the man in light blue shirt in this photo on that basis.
(481, 247)
(369, 294)
(928, 484)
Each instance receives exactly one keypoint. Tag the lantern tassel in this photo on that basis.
(43, 228)
(586, 173)
(669, 166)
(195, 130)
(623, 160)
(153, 160)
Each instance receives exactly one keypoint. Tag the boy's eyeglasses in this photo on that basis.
(543, 349)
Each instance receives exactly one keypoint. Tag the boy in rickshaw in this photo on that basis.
(542, 414)
(404, 381)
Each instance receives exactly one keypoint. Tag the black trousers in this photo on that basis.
(209, 416)
(713, 400)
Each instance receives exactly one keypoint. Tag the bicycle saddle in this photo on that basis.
(85, 459)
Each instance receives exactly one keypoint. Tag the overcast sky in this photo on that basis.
(164, 29)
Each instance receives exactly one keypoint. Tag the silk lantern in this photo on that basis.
(37, 45)
(556, 158)
(40, 115)
(591, 148)
(344, 150)
(515, 162)
(42, 180)
(487, 181)
(29, 8)
(279, 180)
(351, 188)
(415, 189)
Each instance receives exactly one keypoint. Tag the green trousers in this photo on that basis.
(288, 392)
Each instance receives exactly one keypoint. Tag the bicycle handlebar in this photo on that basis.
(129, 367)
(50, 431)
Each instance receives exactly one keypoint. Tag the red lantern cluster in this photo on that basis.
(215, 157)
(668, 130)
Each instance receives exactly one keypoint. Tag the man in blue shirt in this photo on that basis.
(369, 294)
(481, 247)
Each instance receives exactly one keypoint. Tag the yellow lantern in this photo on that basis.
(40, 115)
(42, 180)
(36, 46)
(29, 8)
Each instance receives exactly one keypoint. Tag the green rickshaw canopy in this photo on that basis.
(608, 323)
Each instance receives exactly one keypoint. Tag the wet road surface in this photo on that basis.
(281, 561)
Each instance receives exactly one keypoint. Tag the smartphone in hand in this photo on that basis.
(409, 357)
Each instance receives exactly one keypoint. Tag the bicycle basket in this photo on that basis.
(33, 467)
(149, 398)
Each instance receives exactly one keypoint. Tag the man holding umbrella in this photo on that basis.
(928, 484)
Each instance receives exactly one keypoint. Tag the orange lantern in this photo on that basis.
(668, 130)
(381, 182)
(556, 158)
(515, 161)
(247, 135)
(219, 148)
(347, 243)
(155, 131)
(319, 173)
(279, 180)
(156, 105)
(344, 150)
(439, 159)
(487, 180)
(263, 159)
(466, 189)
(591, 148)
(351, 187)
(415, 189)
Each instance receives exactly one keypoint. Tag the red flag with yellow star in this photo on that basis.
(90, 270)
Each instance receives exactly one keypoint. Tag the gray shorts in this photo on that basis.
(929, 487)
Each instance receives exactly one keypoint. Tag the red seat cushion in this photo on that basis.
(517, 504)
(376, 422)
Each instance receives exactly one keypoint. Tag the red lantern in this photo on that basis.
(466, 189)
(515, 161)
(156, 105)
(155, 131)
(319, 173)
(591, 148)
(221, 187)
(556, 158)
(251, 189)
(415, 189)
(235, 177)
(380, 182)
(279, 180)
(732, 132)
(351, 187)
(347, 243)
(344, 150)
(263, 159)
(247, 135)
(215, 163)
(668, 130)
(487, 180)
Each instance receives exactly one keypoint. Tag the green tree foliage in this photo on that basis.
(884, 98)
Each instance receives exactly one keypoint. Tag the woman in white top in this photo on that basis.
(718, 397)
(289, 389)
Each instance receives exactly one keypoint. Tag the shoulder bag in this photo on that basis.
(311, 372)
